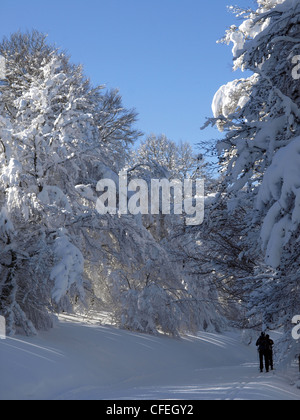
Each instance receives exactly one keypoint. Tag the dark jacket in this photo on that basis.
(262, 344)
(270, 344)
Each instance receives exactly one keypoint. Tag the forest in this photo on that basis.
(152, 273)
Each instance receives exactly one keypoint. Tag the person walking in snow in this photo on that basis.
(270, 344)
(262, 345)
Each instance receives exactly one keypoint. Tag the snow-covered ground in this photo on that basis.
(86, 361)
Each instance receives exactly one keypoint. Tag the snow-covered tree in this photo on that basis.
(55, 132)
(179, 160)
(259, 155)
(196, 296)
(59, 136)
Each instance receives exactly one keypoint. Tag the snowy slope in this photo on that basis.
(81, 361)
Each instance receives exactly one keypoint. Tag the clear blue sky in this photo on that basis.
(161, 54)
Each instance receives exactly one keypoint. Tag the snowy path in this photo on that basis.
(79, 361)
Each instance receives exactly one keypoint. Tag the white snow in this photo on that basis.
(280, 183)
(252, 27)
(233, 96)
(69, 267)
(11, 172)
(52, 195)
(87, 361)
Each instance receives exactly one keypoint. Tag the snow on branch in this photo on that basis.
(68, 269)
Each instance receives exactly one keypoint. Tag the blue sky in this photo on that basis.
(161, 54)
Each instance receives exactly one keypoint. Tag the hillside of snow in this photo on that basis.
(85, 361)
